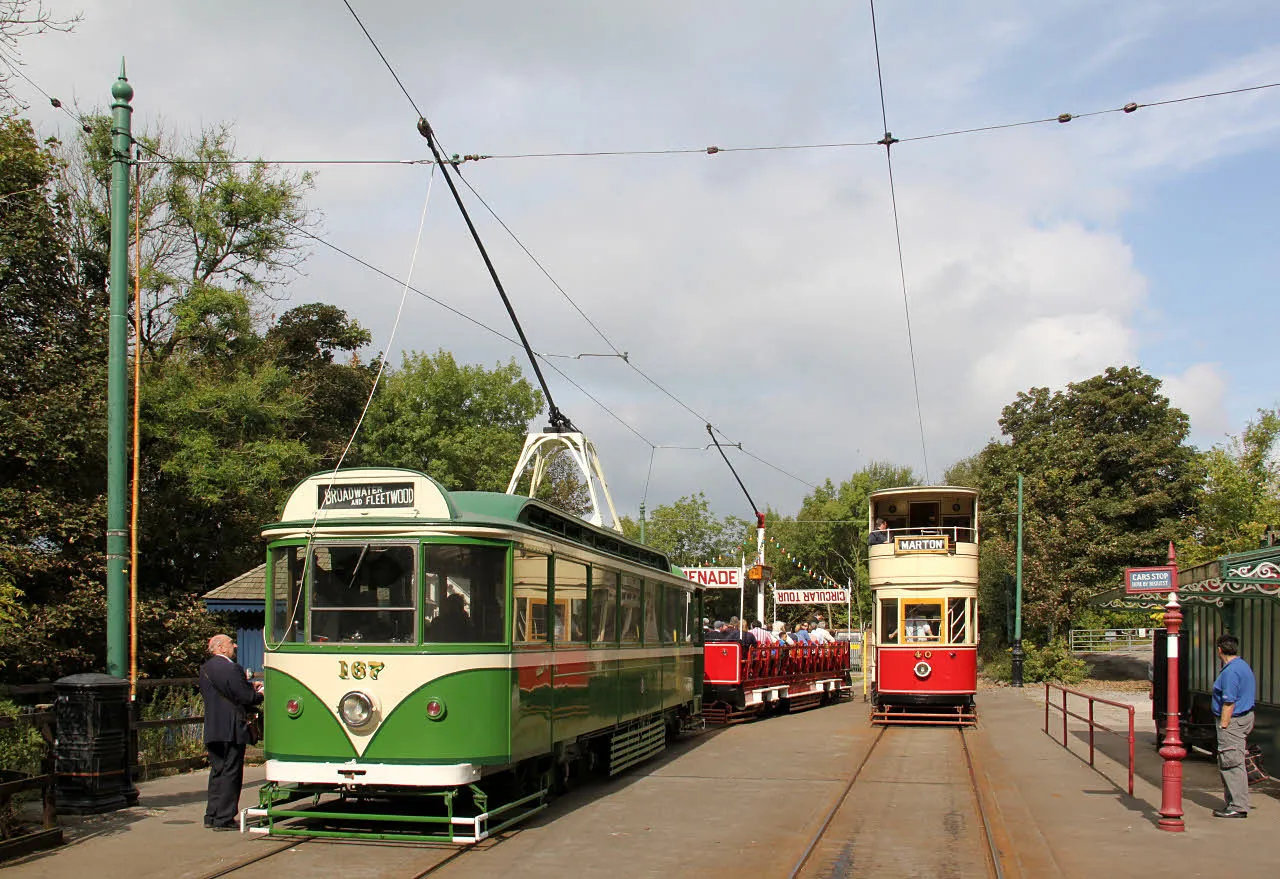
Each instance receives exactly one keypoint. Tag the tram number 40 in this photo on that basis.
(358, 670)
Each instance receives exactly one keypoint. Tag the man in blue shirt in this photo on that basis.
(1233, 695)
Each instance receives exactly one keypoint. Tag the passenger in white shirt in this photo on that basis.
(820, 635)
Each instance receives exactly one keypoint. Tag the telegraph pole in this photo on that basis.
(117, 377)
(1018, 655)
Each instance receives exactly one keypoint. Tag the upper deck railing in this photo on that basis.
(917, 556)
(954, 535)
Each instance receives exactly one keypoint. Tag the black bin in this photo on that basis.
(91, 754)
(1160, 682)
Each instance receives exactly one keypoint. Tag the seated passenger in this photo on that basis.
(762, 635)
(820, 635)
(780, 633)
(452, 625)
(802, 634)
(716, 632)
(880, 534)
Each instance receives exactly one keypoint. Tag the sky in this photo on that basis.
(760, 289)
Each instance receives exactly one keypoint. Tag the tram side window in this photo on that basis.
(571, 595)
(922, 620)
(530, 589)
(957, 617)
(889, 621)
(652, 593)
(630, 629)
(604, 606)
(363, 592)
(287, 569)
(676, 611)
(464, 594)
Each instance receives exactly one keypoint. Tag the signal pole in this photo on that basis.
(117, 377)
(1018, 655)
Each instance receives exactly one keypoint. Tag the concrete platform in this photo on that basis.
(750, 795)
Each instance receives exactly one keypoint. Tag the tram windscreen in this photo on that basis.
(464, 594)
(922, 620)
(363, 593)
(287, 568)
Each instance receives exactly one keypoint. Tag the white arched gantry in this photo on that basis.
(539, 448)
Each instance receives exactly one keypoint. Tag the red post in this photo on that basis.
(1130, 750)
(1090, 732)
(1046, 708)
(1064, 717)
(1172, 750)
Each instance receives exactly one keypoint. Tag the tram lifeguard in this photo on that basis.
(924, 576)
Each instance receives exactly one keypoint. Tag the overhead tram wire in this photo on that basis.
(436, 301)
(888, 142)
(623, 355)
(560, 422)
(456, 160)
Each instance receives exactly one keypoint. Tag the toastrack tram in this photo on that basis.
(924, 576)
(745, 683)
(438, 662)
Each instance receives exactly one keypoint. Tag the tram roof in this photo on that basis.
(431, 502)
(925, 489)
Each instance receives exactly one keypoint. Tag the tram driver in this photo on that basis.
(880, 534)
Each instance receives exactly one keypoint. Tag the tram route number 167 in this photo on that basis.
(358, 670)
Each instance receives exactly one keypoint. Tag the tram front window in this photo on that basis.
(889, 621)
(362, 592)
(922, 621)
(464, 594)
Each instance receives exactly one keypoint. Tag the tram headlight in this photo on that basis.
(293, 707)
(435, 709)
(356, 709)
(923, 669)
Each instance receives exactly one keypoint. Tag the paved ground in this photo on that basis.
(747, 795)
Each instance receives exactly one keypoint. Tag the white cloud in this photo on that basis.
(760, 288)
(1200, 391)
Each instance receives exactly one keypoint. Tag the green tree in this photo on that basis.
(1109, 480)
(1241, 497)
(689, 533)
(462, 424)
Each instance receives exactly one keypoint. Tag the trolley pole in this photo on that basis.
(642, 521)
(1172, 750)
(117, 378)
(1018, 655)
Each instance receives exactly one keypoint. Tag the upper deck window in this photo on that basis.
(363, 593)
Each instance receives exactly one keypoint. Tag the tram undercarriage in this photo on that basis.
(909, 710)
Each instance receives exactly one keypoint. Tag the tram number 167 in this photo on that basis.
(357, 670)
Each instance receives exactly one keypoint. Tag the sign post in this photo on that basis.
(1172, 750)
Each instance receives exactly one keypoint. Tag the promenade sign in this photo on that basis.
(812, 596)
(715, 578)
(1139, 581)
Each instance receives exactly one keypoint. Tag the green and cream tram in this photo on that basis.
(437, 662)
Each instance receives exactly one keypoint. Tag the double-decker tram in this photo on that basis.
(438, 662)
(923, 565)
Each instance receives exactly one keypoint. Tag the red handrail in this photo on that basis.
(772, 662)
(1089, 720)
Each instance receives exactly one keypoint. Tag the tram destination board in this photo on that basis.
(930, 543)
(365, 496)
(1139, 581)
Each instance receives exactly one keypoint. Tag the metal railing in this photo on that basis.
(13, 783)
(1102, 640)
(1093, 723)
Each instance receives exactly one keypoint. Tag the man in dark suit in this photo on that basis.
(227, 696)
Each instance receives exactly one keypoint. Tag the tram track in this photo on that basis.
(450, 856)
(905, 810)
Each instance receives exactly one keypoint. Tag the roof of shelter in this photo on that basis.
(249, 586)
